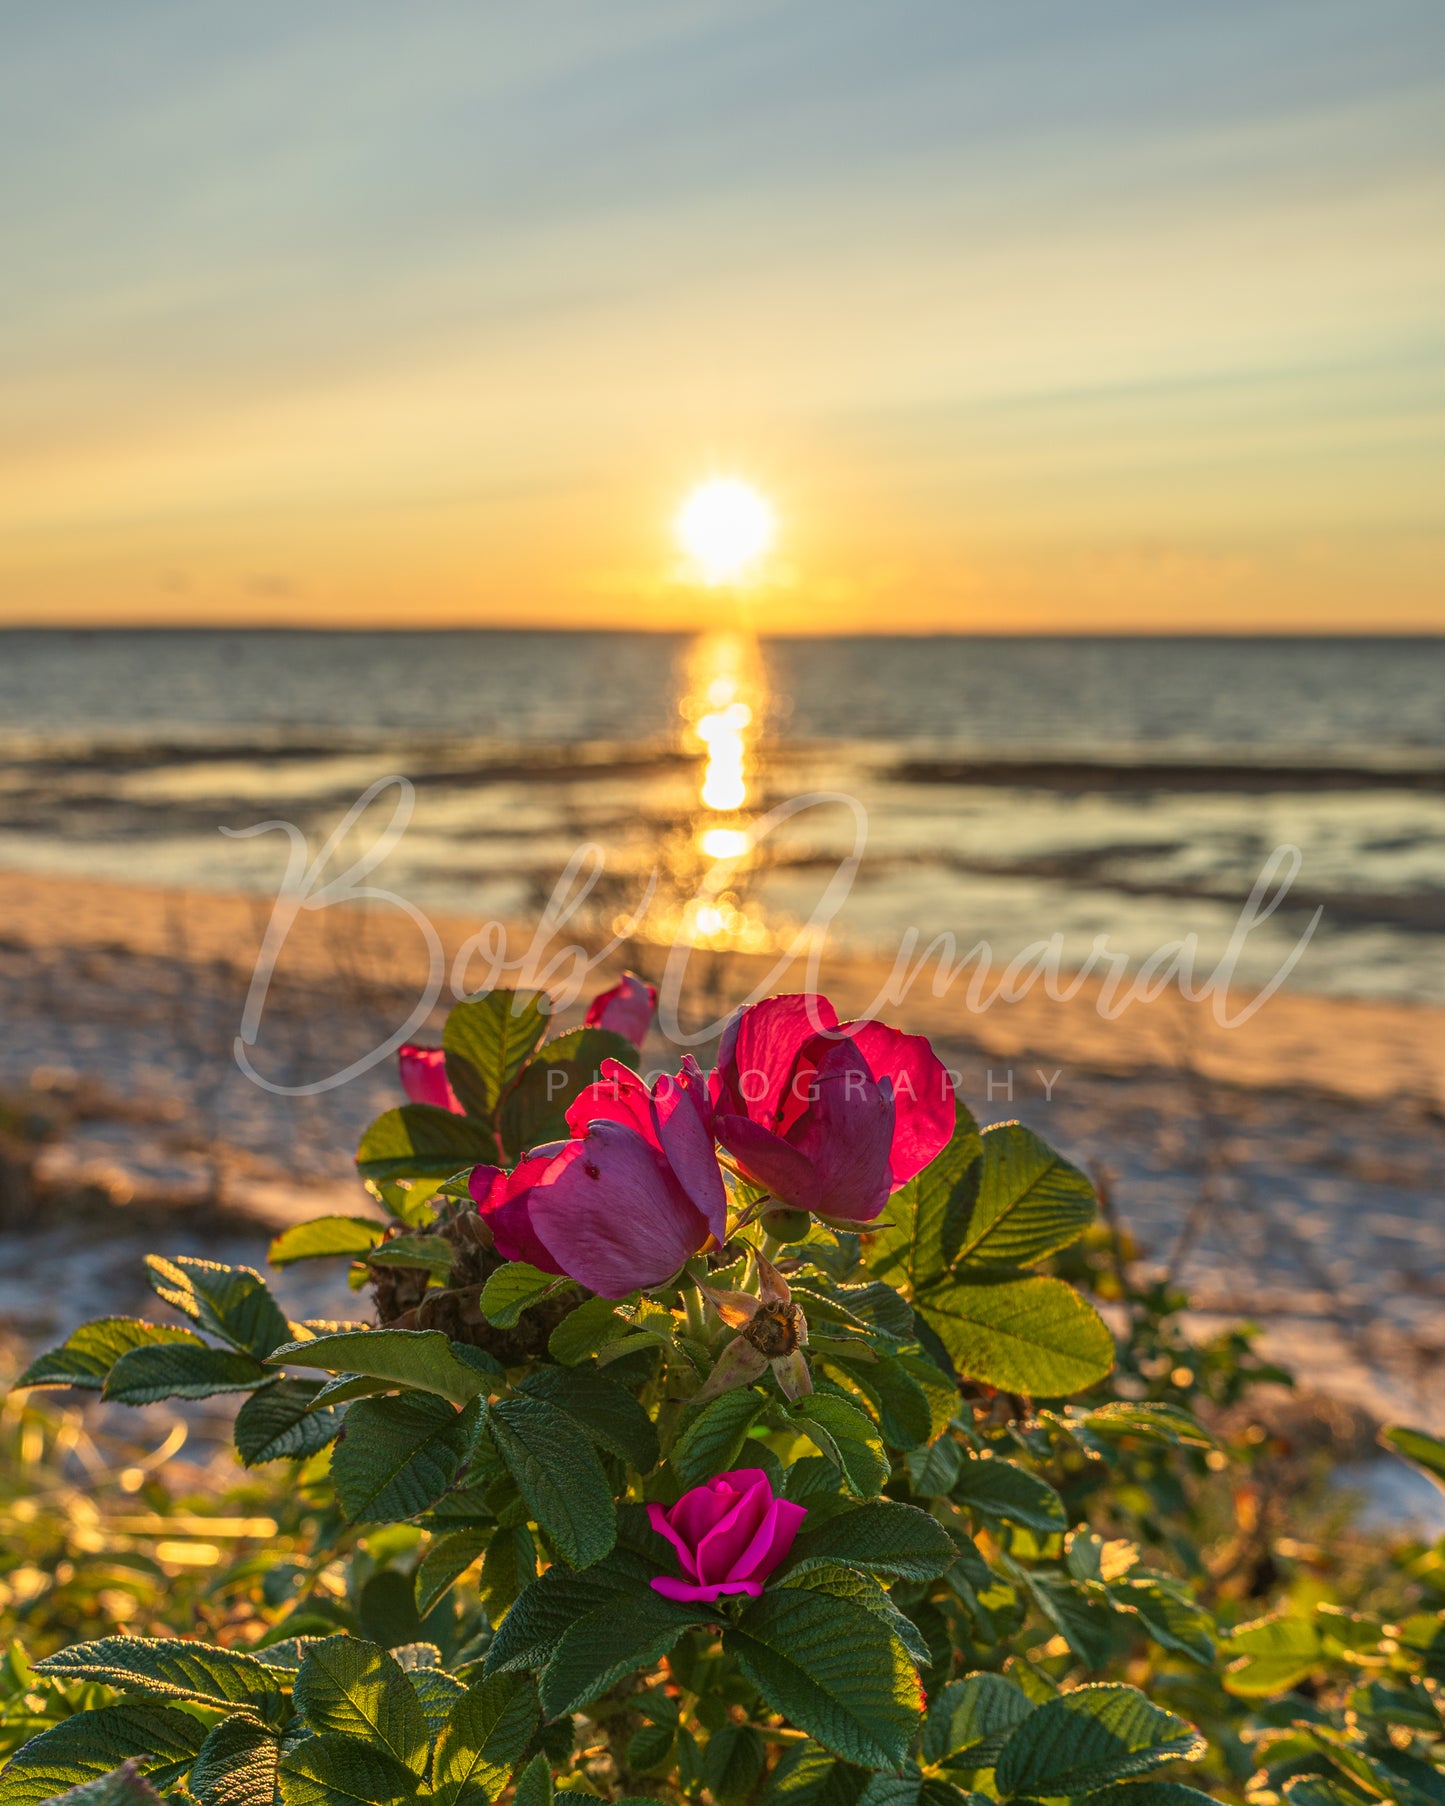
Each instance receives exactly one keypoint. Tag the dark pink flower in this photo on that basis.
(424, 1077)
(830, 1117)
(628, 1199)
(729, 1536)
(626, 1009)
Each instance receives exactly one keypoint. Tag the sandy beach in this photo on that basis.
(1285, 1169)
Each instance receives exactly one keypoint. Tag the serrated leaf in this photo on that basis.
(358, 1691)
(438, 1693)
(512, 1289)
(421, 1358)
(882, 1537)
(586, 1331)
(163, 1741)
(651, 1747)
(1152, 1422)
(237, 1766)
(421, 1253)
(1269, 1655)
(912, 1788)
(558, 1475)
(535, 1109)
(833, 1669)
(399, 1455)
(928, 1214)
(1169, 1614)
(1030, 1201)
(1085, 1739)
(614, 1639)
(445, 1562)
(336, 1770)
(509, 1565)
(165, 1668)
(1169, 1793)
(904, 1418)
(488, 1040)
(536, 1624)
(280, 1422)
(809, 1775)
(325, 1237)
(181, 1369)
(125, 1787)
(972, 1719)
(841, 1432)
(1002, 1492)
(1084, 1619)
(605, 1412)
(855, 1587)
(715, 1435)
(732, 1763)
(534, 1784)
(419, 1141)
(233, 1303)
(485, 1737)
(934, 1470)
(1035, 1336)
(88, 1353)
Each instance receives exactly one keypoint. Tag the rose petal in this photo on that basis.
(773, 1541)
(610, 1214)
(686, 1594)
(758, 1048)
(719, 1552)
(423, 1073)
(769, 1160)
(701, 1510)
(626, 1009)
(925, 1103)
(618, 1096)
(507, 1213)
(847, 1136)
(657, 1517)
(683, 1119)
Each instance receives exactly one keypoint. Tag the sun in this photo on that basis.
(725, 526)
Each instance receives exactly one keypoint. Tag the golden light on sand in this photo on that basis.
(725, 526)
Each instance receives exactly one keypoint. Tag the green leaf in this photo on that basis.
(904, 1417)
(928, 1214)
(585, 1331)
(1175, 1793)
(972, 1719)
(534, 1784)
(88, 1353)
(509, 1565)
(399, 1455)
(841, 1432)
(353, 1688)
(809, 1775)
(1418, 1447)
(233, 1303)
(1150, 1422)
(323, 1237)
(125, 1787)
(422, 1358)
(438, 1692)
(1086, 1622)
(882, 1537)
(732, 1764)
(419, 1141)
(488, 1040)
(278, 1423)
(1002, 1492)
(1269, 1655)
(162, 1739)
(336, 1770)
(1030, 1202)
(651, 1747)
(1085, 1739)
(1171, 1616)
(547, 1609)
(833, 1669)
(422, 1253)
(934, 1470)
(445, 1562)
(604, 1411)
(1036, 1336)
(857, 1588)
(237, 1765)
(558, 1475)
(535, 1110)
(714, 1438)
(626, 1633)
(489, 1729)
(512, 1289)
(165, 1668)
(180, 1369)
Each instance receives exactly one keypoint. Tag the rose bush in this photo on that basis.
(613, 1493)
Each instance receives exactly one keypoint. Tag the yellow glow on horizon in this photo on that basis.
(725, 526)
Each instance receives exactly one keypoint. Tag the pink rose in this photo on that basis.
(829, 1117)
(628, 1199)
(626, 1009)
(729, 1536)
(424, 1077)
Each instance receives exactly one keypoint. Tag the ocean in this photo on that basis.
(744, 793)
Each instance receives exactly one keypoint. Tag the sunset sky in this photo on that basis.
(1066, 315)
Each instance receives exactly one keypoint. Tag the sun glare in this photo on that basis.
(725, 527)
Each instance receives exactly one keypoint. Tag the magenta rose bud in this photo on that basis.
(729, 1536)
(831, 1117)
(424, 1077)
(626, 1009)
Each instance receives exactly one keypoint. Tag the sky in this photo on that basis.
(1126, 316)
